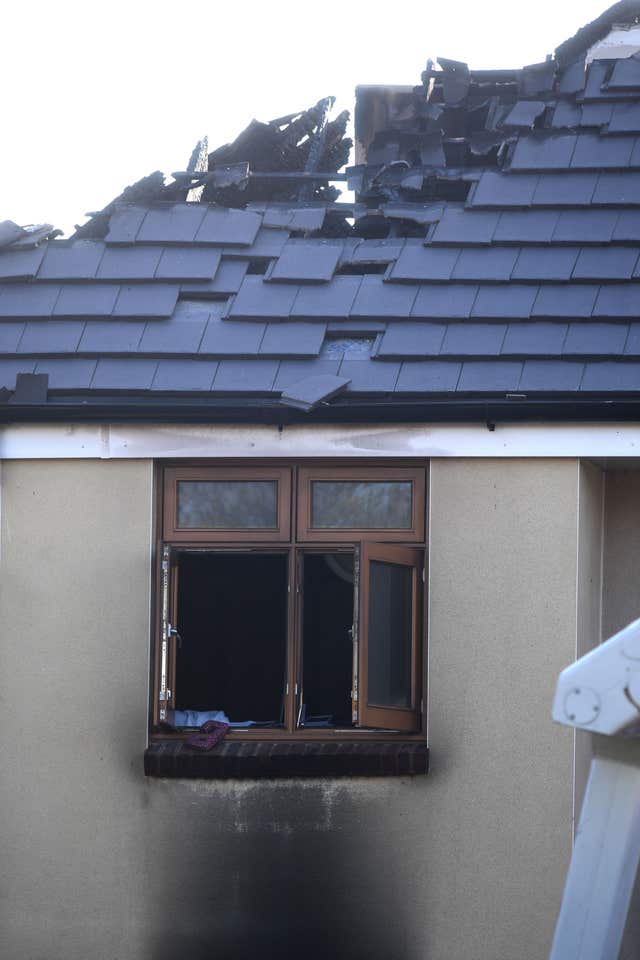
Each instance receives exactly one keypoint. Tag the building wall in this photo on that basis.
(466, 862)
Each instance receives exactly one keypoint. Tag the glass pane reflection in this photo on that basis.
(227, 504)
(361, 504)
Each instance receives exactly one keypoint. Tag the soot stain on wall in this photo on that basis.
(276, 869)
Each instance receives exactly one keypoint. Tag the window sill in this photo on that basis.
(250, 760)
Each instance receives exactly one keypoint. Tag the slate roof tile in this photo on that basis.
(293, 339)
(632, 346)
(334, 299)
(427, 376)
(228, 338)
(451, 300)
(9, 369)
(173, 335)
(70, 373)
(129, 263)
(157, 300)
(125, 223)
(411, 339)
(504, 190)
(605, 263)
(111, 336)
(178, 376)
(188, 263)
(627, 226)
(512, 300)
(461, 226)
(372, 251)
(566, 114)
(19, 300)
(546, 152)
(51, 336)
(596, 75)
(595, 114)
(10, 334)
(124, 374)
(86, 300)
(485, 264)
(524, 113)
(617, 188)
(307, 262)
(625, 118)
(525, 226)
(18, 264)
(227, 280)
(171, 223)
(618, 300)
(625, 75)
(609, 376)
(245, 376)
(565, 189)
(78, 260)
(417, 262)
(585, 226)
(594, 151)
(572, 78)
(228, 226)
(565, 300)
(545, 263)
(375, 298)
(469, 339)
(595, 339)
(267, 244)
(256, 299)
(534, 339)
(292, 371)
(369, 376)
(546, 376)
(489, 376)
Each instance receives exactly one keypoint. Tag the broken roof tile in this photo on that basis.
(524, 113)
(16, 264)
(593, 151)
(267, 244)
(537, 339)
(585, 226)
(124, 223)
(545, 263)
(610, 376)
(544, 152)
(78, 260)
(292, 371)
(411, 339)
(565, 300)
(227, 280)
(293, 339)
(334, 299)
(111, 336)
(546, 376)
(469, 339)
(427, 376)
(596, 74)
(595, 339)
(256, 299)
(86, 300)
(51, 336)
(372, 251)
(572, 78)
(147, 300)
(129, 263)
(489, 376)
(124, 374)
(178, 376)
(452, 300)
(485, 264)
(375, 298)
(222, 225)
(70, 373)
(28, 300)
(313, 390)
(417, 262)
(245, 376)
(171, 223)
(306, 262)
(291, 217)
(495, 301)
(188, 263)
(525, 226)
(605, 263)
(565, 189)
(504, 190)
(462, 226)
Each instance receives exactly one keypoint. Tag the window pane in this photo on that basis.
(231, 504)
(390, 633)
(361, 504)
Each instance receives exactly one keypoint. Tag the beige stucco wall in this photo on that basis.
(465, 863)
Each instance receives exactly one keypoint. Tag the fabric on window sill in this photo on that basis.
(210, 734)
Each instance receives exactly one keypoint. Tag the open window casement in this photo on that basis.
(389, 645)
(165, 679)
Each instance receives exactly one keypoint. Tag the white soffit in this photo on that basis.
(176, 441)
(622, 42)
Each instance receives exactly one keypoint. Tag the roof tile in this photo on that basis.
(51, 336)
(504, 190)
(111, 336)
(451, 301)
(28, 300)
(504, 300)
(227, 280)
(9, 369)
(86, 300)
(427, 376)
(618, 300)
(184, 375)
(375, 298)
(157, 300)
(70, 373)
(605, 339)
(411, 339)
(228, 338)
(625, 118)
(585, 226)
(293, 339)
(245, 376)
(544, 152)
(565, 189)
(605, 263)
(463, 226)
(306, 262)
(10, 334)
(257, 299)
(78, 260)
(545, 263)
(125, 223)
(525, 226)
(593, 151)
(565, 300)
(333, 300)
(495, 263)
(417, 262)
(546, 376)
(129, 263)
(627, 226)
(537, 339)
(618, 188)
(369, 376)
(611, 376)
(171, 223)
(18, 264)
(177, 334)
(566, 114)
(489, 376)
(292, 371)
(188, 263)
(626, 74)
(228, 226)
(473, 339)
(126, 374)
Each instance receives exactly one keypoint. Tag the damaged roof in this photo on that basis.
(487, 261)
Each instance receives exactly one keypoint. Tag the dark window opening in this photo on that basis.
(232, 621)
(327, 641)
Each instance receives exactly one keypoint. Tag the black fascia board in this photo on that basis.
(490, 410)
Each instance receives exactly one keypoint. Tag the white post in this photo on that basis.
(603, 866)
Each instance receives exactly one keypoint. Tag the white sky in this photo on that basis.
(97, 95)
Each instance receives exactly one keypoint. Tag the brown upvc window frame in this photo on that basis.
(296, 540)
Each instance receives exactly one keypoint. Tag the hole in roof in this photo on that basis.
(621, 42)
(258, 267)
(360, 269)
(352, 347)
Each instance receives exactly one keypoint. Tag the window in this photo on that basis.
(291, 600)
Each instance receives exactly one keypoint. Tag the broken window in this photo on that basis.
(291, 599)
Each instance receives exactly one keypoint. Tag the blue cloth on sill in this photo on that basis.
(195, 718)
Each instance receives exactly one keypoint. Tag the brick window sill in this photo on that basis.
(250, 760)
